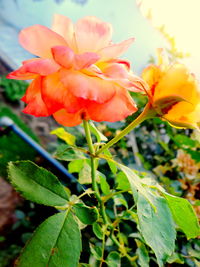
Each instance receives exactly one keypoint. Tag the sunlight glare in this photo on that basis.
(181, 19)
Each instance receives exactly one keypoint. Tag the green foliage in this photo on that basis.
(113, 259)
(157, 227)
(37, 184)
(12, 147)
(142, 253)
(96, 251)
(64, 246)
(69, 153)
(136, 185)
(194, 154)
(105, 188)
(184, 141)
(119, 200)
(13, 89)
(6, 256)
(97, 229)
(59, 241)
(112, 165)
(87, 215)
(128, 219)
(122, 182)
(84, 176)
(64, 135)
(181, 207)
(99, 136)
(175, 258)
(75, 165)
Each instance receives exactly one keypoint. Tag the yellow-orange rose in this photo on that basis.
(174, 94)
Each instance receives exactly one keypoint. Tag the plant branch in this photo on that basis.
(93, 171)
(103, 244)
(88, 136)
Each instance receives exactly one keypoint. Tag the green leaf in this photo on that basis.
(180, 207)
(112, 164)
(119, 200)
(175, 258)
(183, 140)
(96, 251)
(136, 184)
(87, 215)
(184, 215)
(122, 182)
(113, 259)
(99, 136)
(84, 176)
(37, 184)
(97, 229)
(193, 252)
(75, 165)
(64, 135)
(194, 154)
(142, 253)
(105, 188)
(56, 242)
(157, 227)
(123, 238)
(68, 153)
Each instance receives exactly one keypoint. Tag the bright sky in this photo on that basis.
(182, 20)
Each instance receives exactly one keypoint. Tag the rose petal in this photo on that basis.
(136, 84)
(118, 108)
(151, 75)
(56, 96)
(114, 50)
(38, 40)
(92, 34)
(21, 75)
(177, 81)
(63, 55)
(182, 114)
(68, 119)
(126, 63)
(36, 105)
(64, 27)
(85, 60)
(30, 60)
(42, 66)
(87, 87)
(118, 74)
(115, 71)
(32, 68)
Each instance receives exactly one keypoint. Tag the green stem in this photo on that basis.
(122, 249)
(93, 171)
(103, 244)
(146, 114)
(88, 136)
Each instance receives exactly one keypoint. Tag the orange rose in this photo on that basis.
(173, 94)
(78, 74)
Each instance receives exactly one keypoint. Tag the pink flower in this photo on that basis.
(78, 74)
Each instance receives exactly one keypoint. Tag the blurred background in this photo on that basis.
(171, 156)
(125, 17)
